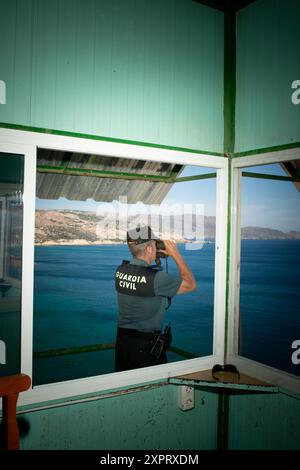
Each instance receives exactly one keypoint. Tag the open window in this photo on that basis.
(265, 268)
(36, 337)
(11, 230)
(85, 205)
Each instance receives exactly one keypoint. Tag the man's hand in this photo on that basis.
(188, 283)
(171, 248)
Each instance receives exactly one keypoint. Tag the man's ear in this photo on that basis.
(149, 247)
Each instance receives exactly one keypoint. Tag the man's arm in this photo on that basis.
(188, 283)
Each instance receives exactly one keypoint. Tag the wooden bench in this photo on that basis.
(10, 387)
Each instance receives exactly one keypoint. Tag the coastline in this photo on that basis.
(81, 242)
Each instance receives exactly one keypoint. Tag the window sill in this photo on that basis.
(226, 380)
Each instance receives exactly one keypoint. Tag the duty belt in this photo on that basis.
(141, 334)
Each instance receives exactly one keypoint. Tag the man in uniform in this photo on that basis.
(143, 296)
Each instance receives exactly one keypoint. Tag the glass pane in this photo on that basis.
(11, 217)
(270, 273)
(75, 303)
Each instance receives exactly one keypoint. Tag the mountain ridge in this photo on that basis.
(60, 227)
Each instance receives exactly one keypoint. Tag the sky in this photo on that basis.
(265, 203)
(269, 203)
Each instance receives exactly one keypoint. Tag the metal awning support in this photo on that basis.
(62, 170)
(249, 174)
(195, 177)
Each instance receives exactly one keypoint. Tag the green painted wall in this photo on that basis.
(268, 61)
(151, 419)
(264, 421)
(143, 420)
(137, 70)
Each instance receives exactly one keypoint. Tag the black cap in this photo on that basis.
(140, 235)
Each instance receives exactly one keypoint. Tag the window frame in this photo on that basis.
(26, 143)
(26, 150)
(248, 366)
(2, 232)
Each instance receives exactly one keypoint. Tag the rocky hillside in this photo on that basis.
(59, 227)
(261, 233)
(77, 227)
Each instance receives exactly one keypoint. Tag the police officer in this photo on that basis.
(143, 294)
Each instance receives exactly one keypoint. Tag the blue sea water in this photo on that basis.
(75, 305)
(270, 301)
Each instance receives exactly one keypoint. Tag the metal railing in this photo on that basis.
(98, 347)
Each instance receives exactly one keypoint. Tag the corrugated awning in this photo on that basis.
(292, 169)
(76, 176)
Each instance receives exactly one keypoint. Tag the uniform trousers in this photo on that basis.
(132, 350)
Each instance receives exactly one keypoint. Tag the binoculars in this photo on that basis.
(159, 255)
(144, 234)
(160, 246)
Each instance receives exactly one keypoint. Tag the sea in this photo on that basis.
(75, 306)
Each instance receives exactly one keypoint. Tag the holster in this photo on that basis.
(161, 342)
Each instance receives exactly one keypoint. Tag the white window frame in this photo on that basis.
(2, 233)
(26, 143)
(248, 366)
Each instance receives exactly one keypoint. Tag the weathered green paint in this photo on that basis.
(268, 36)
(249, 174)
(137, 71)
(264, 421)
(147, 419)
(223, 419)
